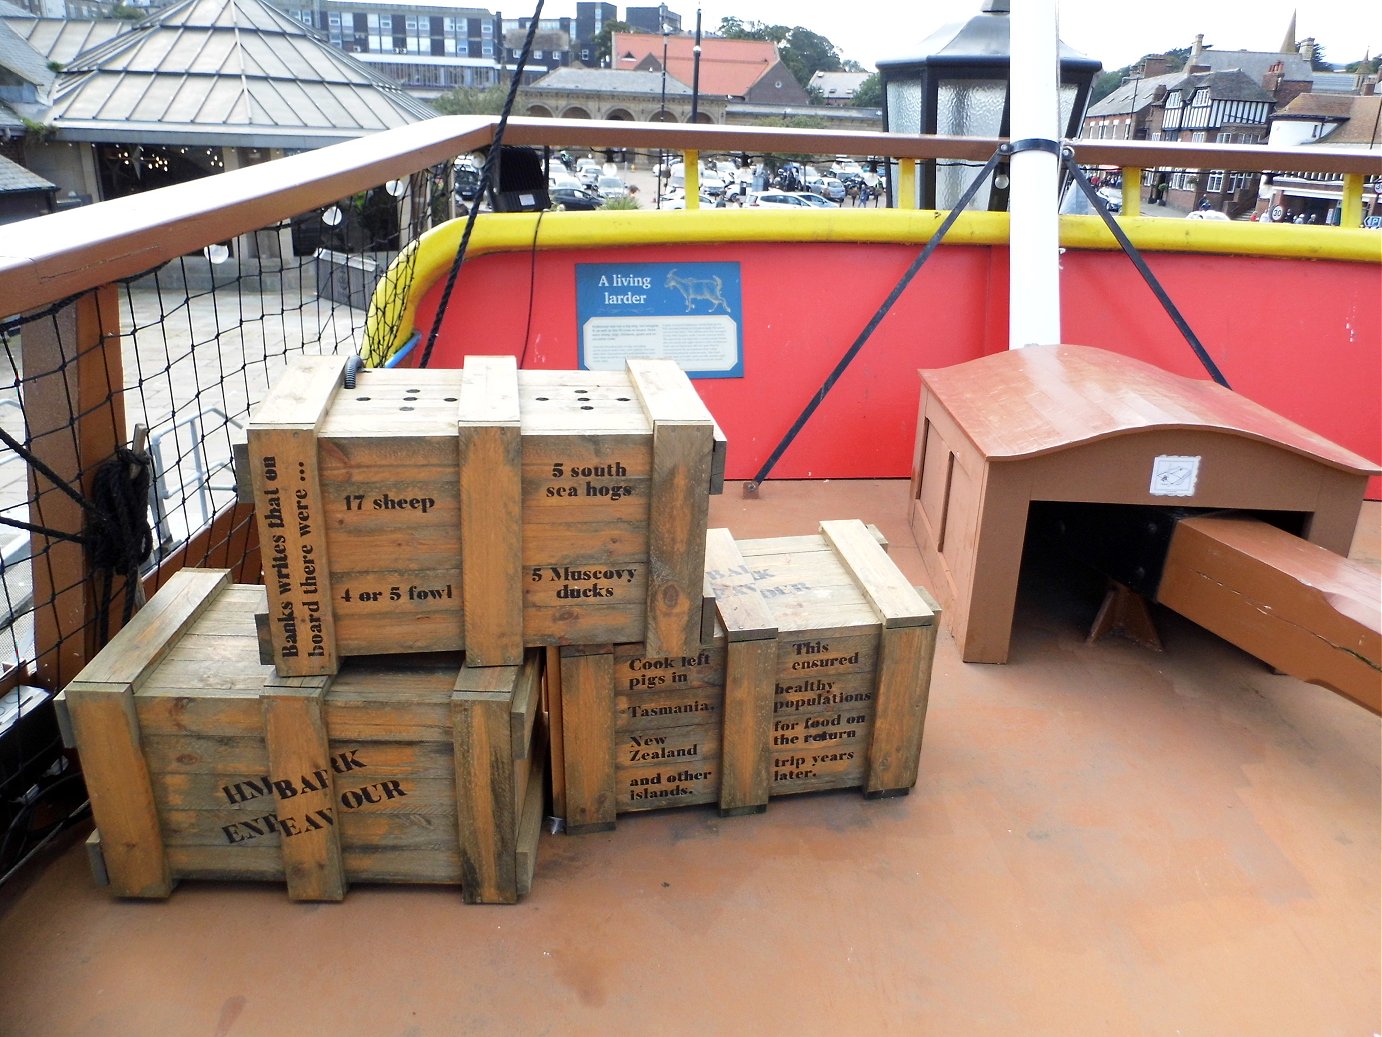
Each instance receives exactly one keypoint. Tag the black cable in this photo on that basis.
(532, 292)
(486, 178)
(877, 319)
(1130, 250)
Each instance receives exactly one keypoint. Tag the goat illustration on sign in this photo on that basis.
(694, 288)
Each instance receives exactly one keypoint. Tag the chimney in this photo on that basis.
(1195, 62)
(1271, 82)
(1155, 65)
(1307, 48)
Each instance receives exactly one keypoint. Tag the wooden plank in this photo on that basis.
(491, 488)
(137, 649)
(676, 536)
(740, 605)
(899, 712)
(551, 679)
(486, 818)
(892, 596)
(587, 710)
(290, 513)
(683, 448)
(73, 373)
(1296, 606)
(517, 684)
(117, 780)
(526, 709)
(295, 735)
(746, 754)
(530, 824)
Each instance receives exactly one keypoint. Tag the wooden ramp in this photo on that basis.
(1304, 610)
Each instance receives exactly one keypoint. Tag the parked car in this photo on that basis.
(611, 187)
(712, 184)
(1112, 197)
(588, 171)
(1206, 214)
(780, 200)
(829, 187)
(467, 182)
(564, 182)
(815, 201)
(677, 200)
(577, 200)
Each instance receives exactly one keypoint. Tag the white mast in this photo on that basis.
(1034, 252)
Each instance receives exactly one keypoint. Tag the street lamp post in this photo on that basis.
(662, 108)
(696, 70)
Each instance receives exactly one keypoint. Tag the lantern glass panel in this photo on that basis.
(904, 106)
(967, 108)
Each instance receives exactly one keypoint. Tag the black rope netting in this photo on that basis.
(181, 353)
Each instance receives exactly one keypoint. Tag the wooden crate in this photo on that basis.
(815, 675)
(488, 509)
(204, 763)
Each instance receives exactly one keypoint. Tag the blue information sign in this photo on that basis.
(688, 312)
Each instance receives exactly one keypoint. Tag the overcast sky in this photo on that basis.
(1115, 32)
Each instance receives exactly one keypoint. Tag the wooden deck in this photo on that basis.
(1103, 840)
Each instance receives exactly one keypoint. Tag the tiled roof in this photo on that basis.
(610, 80)
(1358, 119)
(14, 177)
(1230, 84)
(20, 59)
(838, 84)
(729, 68)
(1134, 95)
(232, 72)
(1256, 64)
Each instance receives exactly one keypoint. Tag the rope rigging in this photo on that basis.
(486, 181)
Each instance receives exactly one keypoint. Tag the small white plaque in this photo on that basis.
(1174, 476)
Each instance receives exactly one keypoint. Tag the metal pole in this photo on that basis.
(696, 70)
(662, 111)
(1034, 254)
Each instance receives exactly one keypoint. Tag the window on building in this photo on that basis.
(487, 49)
(1214, 183)
(537, 55)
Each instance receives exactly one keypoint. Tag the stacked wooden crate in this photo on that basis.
(814, 673)
(326, 728)
(202, 762)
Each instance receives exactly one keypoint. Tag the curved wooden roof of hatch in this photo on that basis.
(1055, 397)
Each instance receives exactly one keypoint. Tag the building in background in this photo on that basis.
(837, 88)
(591, 18)
(426, 48)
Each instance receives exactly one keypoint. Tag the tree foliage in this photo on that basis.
(869, 94)
(774, 161)
(803, 52)
(472, 100)
(604, 42)
(1107, 82)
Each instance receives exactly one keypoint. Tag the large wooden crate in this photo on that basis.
(815, 675)
(488, 509)
(204, 763)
